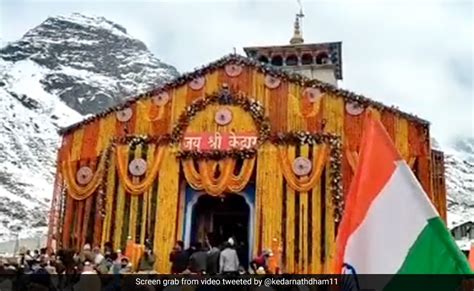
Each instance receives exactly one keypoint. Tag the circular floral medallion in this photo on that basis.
(233, 70)
(301, 166)
(161, 99)
(272, 82)
(137, 167)
(354, 108)
(124, 115)
(223, 116)
(312, 94)
(84, 175)
(197, 83)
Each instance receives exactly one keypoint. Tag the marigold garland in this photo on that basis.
(224, 97)
(192, 175)
(310, 109)
(205, 178)
(83, 192)
(221, 185)
(130, 186)
(238, 183)
(303, 184)
(217, 155)
(262, 68)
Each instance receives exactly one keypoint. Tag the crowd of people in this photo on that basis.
(211, 258)
(57, 271)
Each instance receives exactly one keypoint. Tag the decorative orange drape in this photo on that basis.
(192, 175)
(152, 112)
(238, 183)
(353, 158)
(308, 108)
(82, 192)
(205, 178)
(220, 185)
(132, 187)
(303, 184)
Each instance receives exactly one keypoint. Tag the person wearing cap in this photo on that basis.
(229, 260)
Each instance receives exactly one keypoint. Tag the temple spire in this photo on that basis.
(297, 33)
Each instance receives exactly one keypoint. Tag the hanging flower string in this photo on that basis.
(206, 177)
(335, 159)
(306, 183)
(266, 69)
(131, 186)
(77, 191)
(223, 97)
(195, 176)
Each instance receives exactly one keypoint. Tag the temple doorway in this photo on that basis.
(223, 217)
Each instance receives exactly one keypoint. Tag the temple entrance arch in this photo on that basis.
(232, 214)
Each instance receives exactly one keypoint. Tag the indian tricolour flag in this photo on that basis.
(389, 225)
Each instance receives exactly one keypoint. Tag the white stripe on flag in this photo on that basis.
(393, 222)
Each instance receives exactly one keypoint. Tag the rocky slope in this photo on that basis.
(58, 72)
(459, 161)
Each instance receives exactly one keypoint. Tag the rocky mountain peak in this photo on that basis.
(93, 63)
(59, 71)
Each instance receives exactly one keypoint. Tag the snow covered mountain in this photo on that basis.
(459, 161)
(58, 72)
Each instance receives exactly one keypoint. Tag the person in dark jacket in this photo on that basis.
(178, 258)
(198, 260)
(212, 265)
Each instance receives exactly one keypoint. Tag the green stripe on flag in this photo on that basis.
(434, 252)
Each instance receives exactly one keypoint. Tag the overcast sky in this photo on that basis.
(416, 54)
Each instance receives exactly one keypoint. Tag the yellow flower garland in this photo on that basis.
(227, 181)
(238, 183)
(303, 184)
(130, 186)
(221, 185)
(353, 158)
(110, 196)
(82, 192)
(192, 175)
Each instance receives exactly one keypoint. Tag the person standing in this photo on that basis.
(198, 260)
(212, 265)
(178, 258)
(147, 261)
(229, 260)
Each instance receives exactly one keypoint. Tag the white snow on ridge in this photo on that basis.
(89, 77)
(24, 78)
(94, 21)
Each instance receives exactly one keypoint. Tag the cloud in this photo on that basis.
(417, 55)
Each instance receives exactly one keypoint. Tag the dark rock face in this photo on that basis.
(93, 62)
(57, 72)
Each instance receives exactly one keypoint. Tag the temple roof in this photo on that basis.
(263, 68)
